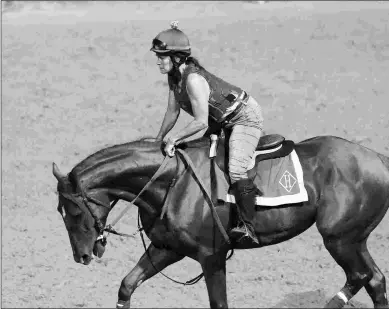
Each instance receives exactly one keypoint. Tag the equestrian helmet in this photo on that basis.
(171, 40)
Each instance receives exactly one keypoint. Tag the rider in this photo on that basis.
(202, 95)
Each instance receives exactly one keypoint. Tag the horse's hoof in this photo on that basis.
(122, 304)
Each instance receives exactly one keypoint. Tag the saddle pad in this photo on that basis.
(280, 180)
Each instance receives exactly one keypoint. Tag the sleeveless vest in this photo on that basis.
(221, 97)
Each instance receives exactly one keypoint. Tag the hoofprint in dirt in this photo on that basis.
(71, 88)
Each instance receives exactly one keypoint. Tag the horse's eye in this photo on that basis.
(73, 210)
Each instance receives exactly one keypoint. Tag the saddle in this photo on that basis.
(270, 146)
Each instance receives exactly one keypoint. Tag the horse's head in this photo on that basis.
(78, 219)
(84, 196)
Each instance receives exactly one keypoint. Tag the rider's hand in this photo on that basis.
(170, 148)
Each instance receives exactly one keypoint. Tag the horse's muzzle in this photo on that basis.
(84, 259)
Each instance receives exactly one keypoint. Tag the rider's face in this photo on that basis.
(164, 63)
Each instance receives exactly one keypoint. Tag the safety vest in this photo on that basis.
(221, 97)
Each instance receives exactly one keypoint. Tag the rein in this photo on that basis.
(208, 195)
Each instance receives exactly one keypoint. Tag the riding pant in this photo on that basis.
(246, 129)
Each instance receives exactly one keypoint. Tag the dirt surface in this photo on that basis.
(79, 77)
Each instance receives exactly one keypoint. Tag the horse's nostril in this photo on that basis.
(86, 259)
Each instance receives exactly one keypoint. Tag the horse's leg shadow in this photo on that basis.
(312, 299)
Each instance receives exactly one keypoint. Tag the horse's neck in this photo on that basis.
(127, 186)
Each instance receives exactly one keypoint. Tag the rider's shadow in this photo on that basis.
(312, 299)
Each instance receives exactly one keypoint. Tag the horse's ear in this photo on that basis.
(57, 173)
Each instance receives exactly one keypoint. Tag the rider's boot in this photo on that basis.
(245, 193)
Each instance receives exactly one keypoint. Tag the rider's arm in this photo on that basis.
(198, 92)
(171, 116)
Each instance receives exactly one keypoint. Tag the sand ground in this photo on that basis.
(77, 77)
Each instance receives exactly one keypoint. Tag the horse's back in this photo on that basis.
(335, 149)
(332, 158)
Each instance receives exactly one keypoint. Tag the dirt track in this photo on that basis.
(75, 83)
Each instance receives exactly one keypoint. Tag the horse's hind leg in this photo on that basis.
(145, 269)
(376, 287)
(358, 273)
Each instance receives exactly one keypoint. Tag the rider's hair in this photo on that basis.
(183, 58)
(194, 61)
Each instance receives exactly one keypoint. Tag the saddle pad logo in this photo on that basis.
(287, 181)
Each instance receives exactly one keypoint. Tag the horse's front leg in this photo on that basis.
(214, 269)
(145, 269)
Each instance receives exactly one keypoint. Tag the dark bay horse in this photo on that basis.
(347, 185)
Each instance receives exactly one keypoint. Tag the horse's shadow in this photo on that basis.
(312, 299)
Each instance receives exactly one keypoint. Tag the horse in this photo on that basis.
(348, 196)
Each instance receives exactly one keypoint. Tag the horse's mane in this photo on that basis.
(120, 153)
(110, 153)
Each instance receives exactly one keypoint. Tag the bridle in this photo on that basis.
(82, 199)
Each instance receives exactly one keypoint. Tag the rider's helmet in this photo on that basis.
(171, 42)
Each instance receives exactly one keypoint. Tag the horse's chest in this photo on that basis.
(167, 237)
(162, 237)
